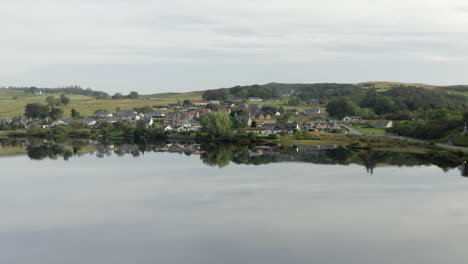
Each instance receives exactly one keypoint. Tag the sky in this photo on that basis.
(153, 46)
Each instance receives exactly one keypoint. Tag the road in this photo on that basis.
(358, 133)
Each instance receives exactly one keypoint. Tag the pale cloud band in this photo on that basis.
(40, 36)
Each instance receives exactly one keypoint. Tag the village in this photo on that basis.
(248, 115)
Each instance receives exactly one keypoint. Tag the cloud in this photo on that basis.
(41, 34)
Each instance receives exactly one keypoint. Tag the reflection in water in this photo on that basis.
(221, 155)
(123, 202)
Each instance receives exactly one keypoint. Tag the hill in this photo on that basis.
(13, 101)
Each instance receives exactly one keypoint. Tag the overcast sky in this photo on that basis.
(182, 45)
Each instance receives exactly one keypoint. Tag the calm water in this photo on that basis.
(161, 207)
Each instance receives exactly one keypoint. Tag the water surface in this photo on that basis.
(165, 207)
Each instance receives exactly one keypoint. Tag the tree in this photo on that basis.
(294, 101)
(36, 110)
(56, 113)
(52, 101)
(281, 110)
(254, 124)
(133, 95)
(341, 107)
(64, 100)
(384, 105)
(370, 99)
(217, 125)
(75, 114)
(187, 102)
(118, 96)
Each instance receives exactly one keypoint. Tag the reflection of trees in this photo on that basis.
(222, 154)
(218, 154)
(46, 150)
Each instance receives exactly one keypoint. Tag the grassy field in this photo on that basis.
(10, 107)
(372, 131)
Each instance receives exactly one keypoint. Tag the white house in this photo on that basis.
(352, 118)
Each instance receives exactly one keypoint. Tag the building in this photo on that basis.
(277, 128)
(201, 103)
(101, 114)
(255, 99)
(244, 119)
(312, 111)
(352, 118)
(384, 124)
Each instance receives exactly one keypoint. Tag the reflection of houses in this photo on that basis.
(384, 124)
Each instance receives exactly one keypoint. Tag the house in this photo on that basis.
(201, 103)
(204, 111)
(292, 111)
(191, 115)
(277, 128)
(126, 113)
(254, 108)
(88, 121)
(260, 117)
(258, 130)
(148, 121)
(101, 114)
(352, 118)
(225, 110)
(175, 106)
(384, 124)
(195, 128)
(277, 113)
(243, 107)
(217, 102)
(168, 128)
(255, 99)
(312, 111)
(268, 108)
(324, 125)
(313, 102)
(156, 114)
(234, 99)
(61, 121)
(244, 119)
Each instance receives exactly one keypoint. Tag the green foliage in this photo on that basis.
(187, 102)
(294, 101)
(36, 110)
(342, 107)
(52, 101)
(217, 125)
(133, 95)
(75, 114)
(383, 105)
(55, 113)
(118, 96)
(64, 100)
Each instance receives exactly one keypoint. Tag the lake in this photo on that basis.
(185, 203)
